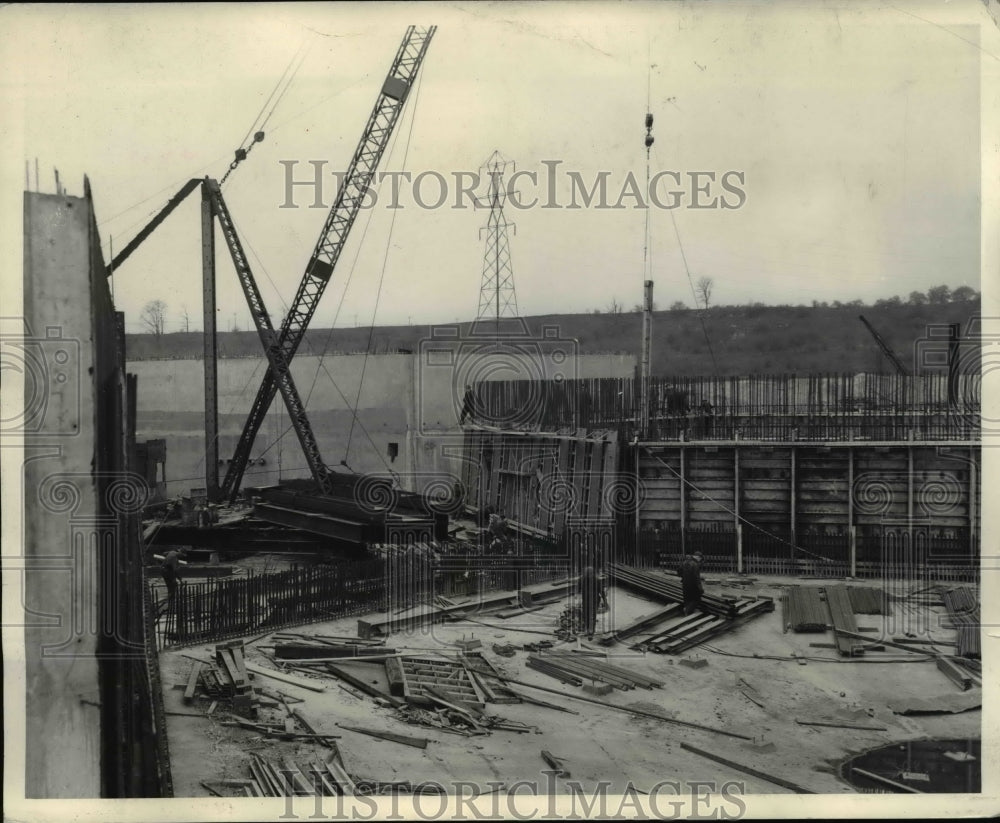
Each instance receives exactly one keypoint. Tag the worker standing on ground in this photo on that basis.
(170, 565)
(468, 407)
(590, 591)
(691, 582)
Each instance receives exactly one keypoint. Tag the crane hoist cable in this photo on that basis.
(257, 127)
(381, 280)
(694, 294)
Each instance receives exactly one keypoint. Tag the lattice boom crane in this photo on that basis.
(357, 179)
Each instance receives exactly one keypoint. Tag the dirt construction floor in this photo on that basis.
(757, 681)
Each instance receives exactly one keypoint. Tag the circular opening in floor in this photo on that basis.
(927, 766)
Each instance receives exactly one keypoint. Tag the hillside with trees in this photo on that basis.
(722, 340)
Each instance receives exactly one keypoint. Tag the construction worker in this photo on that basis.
(707, 418)
(691, 582)
(468, 407)
(170, 565)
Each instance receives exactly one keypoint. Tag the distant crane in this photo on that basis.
(888, 352)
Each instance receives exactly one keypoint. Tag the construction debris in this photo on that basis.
(312, 651)
(556, 764)
(418, 680)
(777, 781)
(416, 742)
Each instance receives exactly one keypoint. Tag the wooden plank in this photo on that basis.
(262, 780)
(317, 653)
(777, 781)
(837, 725)
(284, 678)
(416, 742)
(556, 764)
(192, 683)
(640, 624)
(885, 781)
(341, 778)
(237, 652)
(361, 685)
(290, 773)
(956, 675)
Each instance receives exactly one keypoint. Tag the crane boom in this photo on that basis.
(270, 340)
(356, 182)
(150, 227)
(884, 346)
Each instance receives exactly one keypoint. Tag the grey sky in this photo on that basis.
(858, 131)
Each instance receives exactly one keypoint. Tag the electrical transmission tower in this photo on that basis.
(496, 295)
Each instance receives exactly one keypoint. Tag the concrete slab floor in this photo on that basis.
(601, 744)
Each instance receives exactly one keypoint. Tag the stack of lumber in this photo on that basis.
(661, 587)
(225, 677)
(577, 670)
(682, 632)
(287, 778)
(963, 610)
(838, 601)
(868, 600)
(805, 610)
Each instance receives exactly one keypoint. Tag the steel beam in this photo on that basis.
(209, 346)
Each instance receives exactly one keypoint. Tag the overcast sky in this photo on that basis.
(858, 132)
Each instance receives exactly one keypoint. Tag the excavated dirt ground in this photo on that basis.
(600, 743)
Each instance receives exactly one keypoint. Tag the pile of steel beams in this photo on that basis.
(804, 610)
(685, 632)
(868, 600)
(669, 589)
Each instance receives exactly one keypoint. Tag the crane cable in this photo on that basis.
(694, 294)
(385, 261)
(277, 94)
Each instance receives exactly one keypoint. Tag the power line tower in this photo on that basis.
(496, 294)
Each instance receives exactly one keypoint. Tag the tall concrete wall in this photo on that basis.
(411, 400)
(63, 740)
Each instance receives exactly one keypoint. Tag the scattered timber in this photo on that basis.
(777, 781)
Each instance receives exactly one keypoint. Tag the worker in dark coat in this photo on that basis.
(468, 407)
(590, 592)
(170, 565)
(691, 582)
